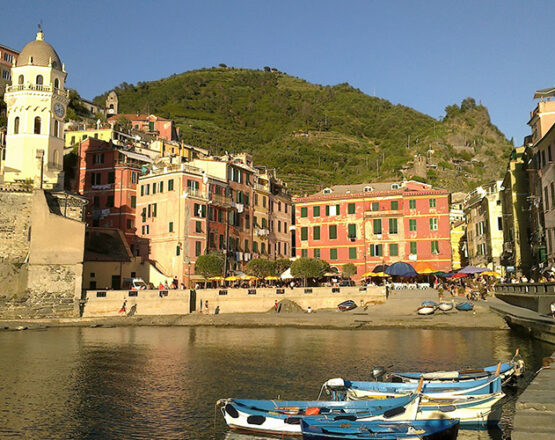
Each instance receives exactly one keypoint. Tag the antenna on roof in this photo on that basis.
(40, 25)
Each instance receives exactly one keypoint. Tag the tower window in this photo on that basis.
(37, 125)
(56, 83)
(16, 125)
(56, 128)
(39, 80)
(21, 79)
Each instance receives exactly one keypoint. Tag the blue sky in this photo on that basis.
(425, 54)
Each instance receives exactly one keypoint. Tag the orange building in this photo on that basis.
(107, 175)
(181, 213)
(373, 224)
(151, 124)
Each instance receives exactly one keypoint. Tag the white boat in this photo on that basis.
(426, 310)
(283, 417)
(445, 306)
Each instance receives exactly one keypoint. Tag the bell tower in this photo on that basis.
(36, 106)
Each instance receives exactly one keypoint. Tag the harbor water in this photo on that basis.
(163, 382)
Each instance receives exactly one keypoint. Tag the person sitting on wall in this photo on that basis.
(175, 282)
(160, 286)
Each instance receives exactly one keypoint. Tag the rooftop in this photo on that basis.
(39, 53)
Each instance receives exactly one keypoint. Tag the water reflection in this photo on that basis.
(162, 383)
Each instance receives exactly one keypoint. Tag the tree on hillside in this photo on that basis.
(123, 123)
(349, 270)
(307, 268)
(210, 265)
(260, 267)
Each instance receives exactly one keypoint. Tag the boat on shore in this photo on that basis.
(465, 306)
(445, 306)
(426, 310)
(415, 430)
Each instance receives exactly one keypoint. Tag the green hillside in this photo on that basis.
(320, 135)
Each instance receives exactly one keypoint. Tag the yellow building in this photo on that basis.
(74, 137)
(36, 105)
(458, 244)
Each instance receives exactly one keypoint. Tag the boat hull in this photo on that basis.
(263, 421)
(435, 430)
(426, 310)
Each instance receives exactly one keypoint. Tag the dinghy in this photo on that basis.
(284, 417)
(445, 306)
(465, 306)
(426, 310)
(357, 390)
(347, 305)
(429, 303)
(513, 368)
(415, 430)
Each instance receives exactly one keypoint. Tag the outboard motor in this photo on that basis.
(378, 373)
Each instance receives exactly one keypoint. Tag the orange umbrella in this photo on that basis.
(424, 268)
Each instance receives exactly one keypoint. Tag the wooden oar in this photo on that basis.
(420, 385)
(498, 369)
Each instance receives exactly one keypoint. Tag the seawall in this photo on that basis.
(105, 303)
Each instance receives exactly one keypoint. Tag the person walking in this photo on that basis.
(275, 306)
(123, 307)
(200, 305)
(206, 307)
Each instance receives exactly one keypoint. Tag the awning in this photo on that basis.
(136, 156)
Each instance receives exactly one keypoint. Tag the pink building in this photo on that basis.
(373, 224)
(107, 176)
(151, 124)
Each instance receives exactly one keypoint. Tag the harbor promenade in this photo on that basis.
(535, 408)
(398, 311)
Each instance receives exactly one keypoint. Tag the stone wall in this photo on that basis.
(179, 302)
(41, 255)
(15, 225)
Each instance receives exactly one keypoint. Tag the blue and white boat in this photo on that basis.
(465, 306)
(415, 430)
(508, 370)
(357, 390)
(283, 417)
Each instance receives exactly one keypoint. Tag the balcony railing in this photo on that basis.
(384, 212)
(37, 88)
(218, 199)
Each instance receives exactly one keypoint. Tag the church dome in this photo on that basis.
(40, 52)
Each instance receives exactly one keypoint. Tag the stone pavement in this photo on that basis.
(535, 408)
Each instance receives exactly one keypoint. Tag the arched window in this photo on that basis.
(56, 128)
(111, 106)
(39, 80)
(56, 83)
(37, 125)
(21, 79)
(16, 125)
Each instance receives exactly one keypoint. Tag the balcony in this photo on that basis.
(37, 88)
(260, 232)
(383, 213)
(218, 199)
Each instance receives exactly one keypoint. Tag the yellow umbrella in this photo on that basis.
(491, 274)
(381, 275)
(216, 279)
(368, 274)
(271, 278)
(232, 278)
(248, 278)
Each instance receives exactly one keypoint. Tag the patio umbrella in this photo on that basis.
(232, 278)
(490, 273)
(424, 268)
(248, 278)
(401, 269)
(380, 275)
(458, 275)
(271, 278)
(216, 279)
(469, 270)
(380, 268)
(287, 275)
(368, 274)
